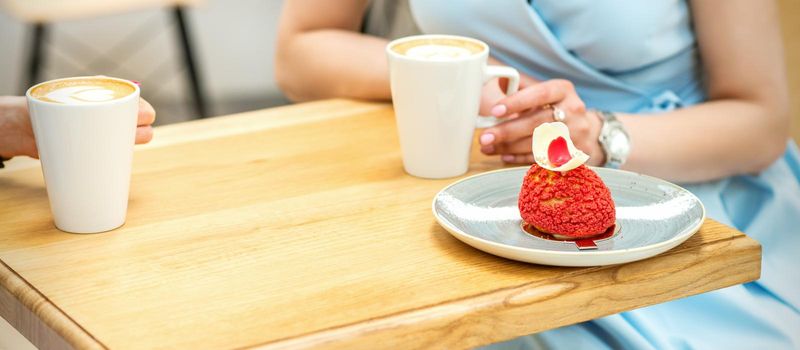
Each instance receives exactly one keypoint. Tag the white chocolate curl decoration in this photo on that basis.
(543, 135)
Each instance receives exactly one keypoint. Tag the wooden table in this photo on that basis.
(297, 227)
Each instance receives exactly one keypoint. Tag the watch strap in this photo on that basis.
(610, 122)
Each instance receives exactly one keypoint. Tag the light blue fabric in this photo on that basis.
(641, 57)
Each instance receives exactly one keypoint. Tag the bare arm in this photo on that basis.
(741, 129)
(744, 126)
(321, 53)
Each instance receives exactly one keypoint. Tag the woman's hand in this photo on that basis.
(530, 107)
(16, 133)
(144, 126)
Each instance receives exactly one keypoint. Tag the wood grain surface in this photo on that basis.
(296, 227)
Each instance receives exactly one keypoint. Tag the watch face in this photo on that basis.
(618, 144)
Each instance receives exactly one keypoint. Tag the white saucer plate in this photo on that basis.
(653, 216)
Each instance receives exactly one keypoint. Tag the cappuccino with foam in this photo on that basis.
(438, 49)
(82, 90)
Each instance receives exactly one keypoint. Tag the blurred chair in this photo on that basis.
(41, 13)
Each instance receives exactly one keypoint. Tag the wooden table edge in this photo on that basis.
(37, 318)
(387, 330)
(47, 327)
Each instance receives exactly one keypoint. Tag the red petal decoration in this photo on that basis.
(557, 152)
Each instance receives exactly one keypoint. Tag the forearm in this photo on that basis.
(333, 63)
(706, 142)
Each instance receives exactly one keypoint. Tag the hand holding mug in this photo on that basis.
(16, 134)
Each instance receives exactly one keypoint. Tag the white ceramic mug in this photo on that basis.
(436, 92)
(86, 153)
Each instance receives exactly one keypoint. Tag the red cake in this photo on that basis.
(561, 196)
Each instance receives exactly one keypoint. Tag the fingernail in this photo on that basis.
(136, 82)
(499, 110)
(507, 158)
(487, 138)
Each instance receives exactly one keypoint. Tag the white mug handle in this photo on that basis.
(492, 72)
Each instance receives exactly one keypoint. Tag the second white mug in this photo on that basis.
(85, 130)
(436, 83)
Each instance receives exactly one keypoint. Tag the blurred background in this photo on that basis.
(230, 43)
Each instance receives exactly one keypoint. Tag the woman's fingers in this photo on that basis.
(494, 91)
(530, 102)
(517, 158)
(144, 134)
(521, 146)
(572, 105)
(513, 129)
(535, 96)
(147, 115)
(535, 105)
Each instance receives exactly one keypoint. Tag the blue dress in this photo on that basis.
(642, 57)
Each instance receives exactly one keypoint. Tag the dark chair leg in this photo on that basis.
(191, 68)
(35, 58)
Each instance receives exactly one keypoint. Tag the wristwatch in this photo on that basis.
(614, 139)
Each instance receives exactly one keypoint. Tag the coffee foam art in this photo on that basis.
(82, 90)
(437, 48)
(437, 52)
(75, 95)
